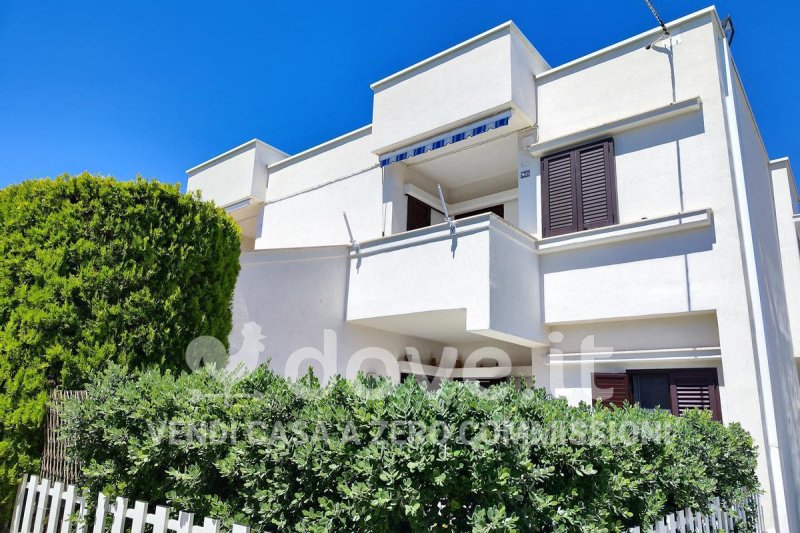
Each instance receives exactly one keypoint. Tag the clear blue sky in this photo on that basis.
(153, 88)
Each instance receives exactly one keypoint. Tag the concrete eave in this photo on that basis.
(509, 27)
(233, 151)
(327, 145)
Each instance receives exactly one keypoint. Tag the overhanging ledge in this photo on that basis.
(624, 232)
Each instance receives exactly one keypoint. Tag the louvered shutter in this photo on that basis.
(595, 180)
(579, 189)
(560, 210)
(695, 389)
(612, 389)
(418, 214)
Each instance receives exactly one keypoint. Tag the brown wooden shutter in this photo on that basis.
(418, 214)
(695, 389)
(559, 205)
(596, 187)
(579, 189)
(612, 389)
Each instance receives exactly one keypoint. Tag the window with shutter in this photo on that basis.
(418, 214)
(611, 389)
(695, 389)
(676, 390)
(558, 191)
(579, 189)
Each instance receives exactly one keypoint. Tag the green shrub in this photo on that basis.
(295, 456)
(91, 271)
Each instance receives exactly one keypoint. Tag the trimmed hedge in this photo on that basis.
(91, 271)
(280, 456)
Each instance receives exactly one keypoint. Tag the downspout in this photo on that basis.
(769, 423)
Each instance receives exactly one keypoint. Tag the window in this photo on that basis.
(496, 209)
(579, 189)
(418, 215)
(676, 390)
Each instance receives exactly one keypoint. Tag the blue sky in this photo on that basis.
(153, 88)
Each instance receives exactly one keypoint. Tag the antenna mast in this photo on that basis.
(660, 23)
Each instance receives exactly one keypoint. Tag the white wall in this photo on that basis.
(488, 269)
(293, 296)
(308, 195)
(470, 80)
(786, 207)
(779, 380)
(236, 175)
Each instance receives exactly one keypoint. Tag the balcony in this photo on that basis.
(480, 282)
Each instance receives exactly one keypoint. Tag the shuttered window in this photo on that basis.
(675, 390)
(496, 209)
(418, 214)
(695, 389)
(612, 389)
(578, 189)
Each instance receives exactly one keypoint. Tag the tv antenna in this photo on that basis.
(660, 23)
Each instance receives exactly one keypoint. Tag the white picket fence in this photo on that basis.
(43, 506)
(691, 521)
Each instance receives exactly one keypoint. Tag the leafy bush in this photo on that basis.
(282, 456)
(91, 271)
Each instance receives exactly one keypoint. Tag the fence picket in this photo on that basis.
(184, 523)
(161, 519)
(690, 523)
(680, 518)
(27, 515)
(120, 514)
(69, 508)
(210, 525)
(83, 511)
(55, 506)
(41, 505)
(19, 504)
(100, 513)
(139, 517)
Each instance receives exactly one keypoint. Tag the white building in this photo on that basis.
(619, 232)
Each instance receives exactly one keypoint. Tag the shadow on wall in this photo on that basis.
(670, 131)
(672, 245)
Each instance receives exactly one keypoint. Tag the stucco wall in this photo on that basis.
(671, 166)
(488, 74)
(781, 395)
(295, 312)
(786, 207)
(308, 195)
(235, 175)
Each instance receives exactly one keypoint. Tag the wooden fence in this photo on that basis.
(55, 464)
(43, 506)
(717, 520)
